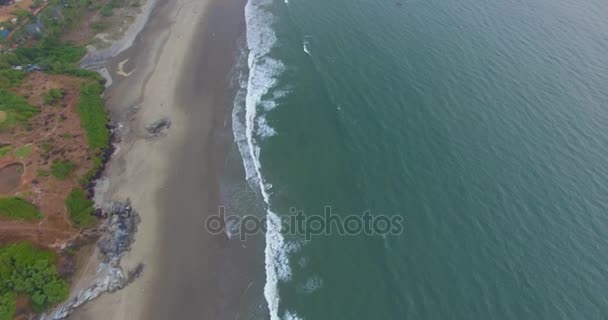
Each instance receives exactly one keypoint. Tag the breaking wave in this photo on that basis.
(258, 77)
(306, 44)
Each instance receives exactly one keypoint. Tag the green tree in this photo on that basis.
(26, 270)
(7, 306)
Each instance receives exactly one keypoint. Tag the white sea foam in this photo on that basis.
(249, 125)
(270, 104)
(306, 44)
(291, 316)
(264, 130)
(311, 285)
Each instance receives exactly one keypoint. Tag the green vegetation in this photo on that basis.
(4, 150)
(93, 116)
(52, 56)
(42, 173)
(80, 208)
(48, 54)
(60, 15)
(16, 109)
(26, 270)
(99, 26)
(23, 151)
(17, 208)
(36, 4)
(53, 96)
(10, 78)
(107, 10)
(62, 169)
(21, 13)
(46, 146)
(94, 119)
(7, 305)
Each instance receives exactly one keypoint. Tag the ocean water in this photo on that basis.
(482, 123)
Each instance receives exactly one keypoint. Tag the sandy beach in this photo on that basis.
(177, 69)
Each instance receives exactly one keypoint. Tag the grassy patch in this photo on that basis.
(4, 150)
(16, 108)
(19, 209)
(26, 270)
(42, 173)
(10, 78)
(49, 54)
(62, 169)
(94, 120)
(93, 116)
(46, 146)
(53, 96)
(23, 151)
(107, 11)
(80, 208)
(99, 26)
(8, 305)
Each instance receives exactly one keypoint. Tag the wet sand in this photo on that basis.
(178, 68)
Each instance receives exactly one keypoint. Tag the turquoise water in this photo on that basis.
(483, 123)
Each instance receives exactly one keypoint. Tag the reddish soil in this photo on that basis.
(54, 134)
(6, 12)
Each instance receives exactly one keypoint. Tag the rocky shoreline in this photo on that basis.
(116, 233)
(115, 238)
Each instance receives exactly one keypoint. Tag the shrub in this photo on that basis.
(99, 26)
(17, 109)
(6, 149)
(50, 53)
(10, 78)
(17, 208)
(62, 169)
(8, 305)
(42, 173)
(93, 117)
(36, 4)
(107, 11)
(26, 270)
(46, 146)
(53, 96)
(80, 208)
(23, 151)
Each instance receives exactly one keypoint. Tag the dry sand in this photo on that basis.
(177, 68)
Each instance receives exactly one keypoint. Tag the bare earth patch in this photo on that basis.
(55, 134)
(7, 12)
(10, 177)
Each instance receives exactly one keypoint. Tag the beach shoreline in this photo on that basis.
(176, 70)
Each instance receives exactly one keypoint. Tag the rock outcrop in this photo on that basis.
(116, 239)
